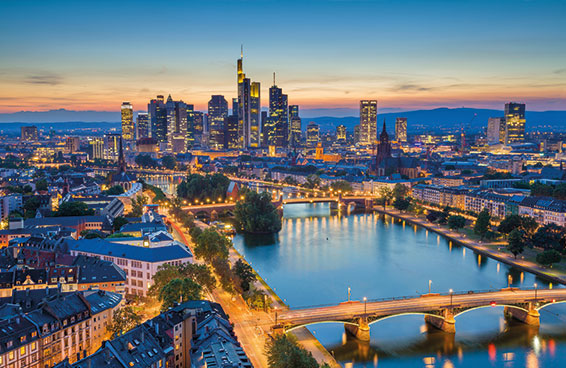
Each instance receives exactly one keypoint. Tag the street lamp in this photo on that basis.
(429, 285)
(275, 315)
(451, 291)
(509, 281)
(365, 305)
(536, 287)
(349, 293)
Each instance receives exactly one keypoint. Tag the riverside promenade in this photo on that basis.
(481, 248)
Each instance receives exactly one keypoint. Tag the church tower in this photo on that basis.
(384, 146)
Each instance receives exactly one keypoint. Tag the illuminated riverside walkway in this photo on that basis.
(439, 310)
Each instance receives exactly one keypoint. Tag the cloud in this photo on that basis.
(49, 79)
(560, 71)
(410, 87)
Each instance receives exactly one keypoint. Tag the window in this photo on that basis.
(22, 350)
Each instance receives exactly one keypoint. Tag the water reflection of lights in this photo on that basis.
(448, 364)
(429, 361)
(508, 357)
(532, 360)
(536, 345)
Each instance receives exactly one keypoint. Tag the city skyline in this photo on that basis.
(403, 57)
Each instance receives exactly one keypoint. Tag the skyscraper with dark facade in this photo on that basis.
(158, 119)
(249, 109)
(278, 120)
(514, 122)
(313, 134)
(28, 133)
(401, 130)
(127, 113)
(231, 132)
(294, 126)
(217, 112)
(176, 112)
(142, 125)
(368, 122)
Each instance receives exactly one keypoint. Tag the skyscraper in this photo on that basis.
(235, 106)
(28, 133)
(127, 122)
(231, 132)
(401, 130)
(157, 119)
(495, 130)
(514, 122)
(368, 122)
(112, 146)
(313, 134)
(176, 114)
(142, 125)
(97, 148)
(341, 134)
(278, 120)
(217, 112)
(249, 108)
(294, 126)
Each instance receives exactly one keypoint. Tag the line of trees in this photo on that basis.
(202, 187)
(256, 214)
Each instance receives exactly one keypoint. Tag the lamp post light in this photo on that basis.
(536, 288)
(509, 281)
(451, 291)
(349, 293)
(275, 315)
(365, 305)
(429, 286)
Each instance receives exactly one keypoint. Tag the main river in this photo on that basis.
(317, 256)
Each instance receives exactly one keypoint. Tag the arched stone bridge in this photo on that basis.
(344, 204)
(439, 310)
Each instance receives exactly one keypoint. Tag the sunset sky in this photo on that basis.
(83, 55)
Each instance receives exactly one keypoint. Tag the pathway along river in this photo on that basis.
(317, 256)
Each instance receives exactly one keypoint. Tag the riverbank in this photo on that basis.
(483, 249)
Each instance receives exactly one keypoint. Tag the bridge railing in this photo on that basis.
(405, 297)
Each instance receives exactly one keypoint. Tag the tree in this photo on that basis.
(74, 209)
(245, 273)
(283, 352)
(124, 320)
(401, 204)
(550, 236)
(312, 181)
(41, 185)
(169, 162)
(114, 190)
(31, 205)
(210, 245)
(510, 223)
(456, 222)
(342, 186)
(386, 194)
(145, 161)
(257, 214)
(516, 242)
(118, 223)
(529, 225)
(138, 204)
(200, 273)
(222, 268)
(548, 257)
(202, 188)
(179, 290)
(290, 180)
(560, 192)
(482, 223)
(400, 191)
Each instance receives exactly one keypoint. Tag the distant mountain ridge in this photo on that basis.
(432, 120)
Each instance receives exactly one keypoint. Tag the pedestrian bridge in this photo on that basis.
(439, 310)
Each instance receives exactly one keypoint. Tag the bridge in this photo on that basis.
(341, 203)
(439, 310)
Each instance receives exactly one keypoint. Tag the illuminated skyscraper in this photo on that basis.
(495, 130)
(112, 146)
(127, 122)
(514, 122)
(313, 134)
(401, 130)
(294, 126)
(142, 125)
(341, 134)
(176, 112)
(278, 120)
(157, 119)
(231, 132)
(235, 107)
(217, 112)
(249, 109)
(28, 133)
(96, 148)
(368, 122)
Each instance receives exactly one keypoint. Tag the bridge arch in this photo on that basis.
(406, 314)
(491, 306)
(549, 304)
(289, 329)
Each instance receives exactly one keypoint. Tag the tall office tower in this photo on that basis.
(368, 122)
(157, 115)
(277, 133)
(294, 126)
(97, 149)
(341, 134)
(198, 127)
(514, 122)
(231, 132)
(313, 134)
(401, 130)
(176, 125)
(29, 133)
(495, 130)
(264, 117)
(190, 126)
(249, 108)
(235, 106)
(127, 122)
(72, 144)
(357, 134)
(217, 112)
(112, 146)
(142, 125)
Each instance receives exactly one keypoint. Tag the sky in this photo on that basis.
(407, 54)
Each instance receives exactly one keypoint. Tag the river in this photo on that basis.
(317, 256)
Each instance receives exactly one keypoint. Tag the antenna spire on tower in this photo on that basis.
(273, 78)
(242, 51)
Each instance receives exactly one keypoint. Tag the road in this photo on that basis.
(420, 304)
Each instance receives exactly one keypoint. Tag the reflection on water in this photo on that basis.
(316, 257)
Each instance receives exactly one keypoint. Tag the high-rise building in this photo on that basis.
(294, 126)
(142, 125)
(278, 120)
(249, 109)
(127, 122)
(231, 132)
(495, 130)
(72, 144)
(29, 133)
(368, 122)
(217, 113)
(401, 130)
(176, 112)
(514, 122)
(235, 106)
(357, 134)
(313, 134)
(112, 146)
(157, 115)
(341, 134)
(97, 148)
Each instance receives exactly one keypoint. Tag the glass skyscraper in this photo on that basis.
(368, 122)
(514, 122)
(127, 122)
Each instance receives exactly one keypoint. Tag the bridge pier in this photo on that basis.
(445, 323)
(530, 317)
(360, 332)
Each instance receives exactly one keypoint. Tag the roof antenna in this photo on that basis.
(242, 51)
(274, 78)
